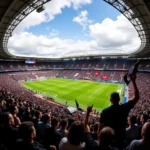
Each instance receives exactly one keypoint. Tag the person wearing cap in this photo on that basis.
(115, 116)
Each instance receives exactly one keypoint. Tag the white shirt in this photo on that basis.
(65, 145)
(63, 132)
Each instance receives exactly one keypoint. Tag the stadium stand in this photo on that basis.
(29, 121)
(13, 95)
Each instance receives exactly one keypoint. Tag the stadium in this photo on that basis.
(51, 78)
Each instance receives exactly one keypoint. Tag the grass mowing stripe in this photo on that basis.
(85, 92)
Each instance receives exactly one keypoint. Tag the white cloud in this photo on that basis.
(108, 36)
(52, 9)
(54, 32)
(29, 44)
(82, 19)
(79, 3)
(32, 20)
(118, 34)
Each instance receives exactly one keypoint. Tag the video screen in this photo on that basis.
(30, 61)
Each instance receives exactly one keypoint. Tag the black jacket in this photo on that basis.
(8, 136)
(52, 137)
(91, 144)
(20, 145)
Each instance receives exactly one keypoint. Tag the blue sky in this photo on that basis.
(98, 10)
(74, 27)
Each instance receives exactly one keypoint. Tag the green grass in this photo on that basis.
(86, 93)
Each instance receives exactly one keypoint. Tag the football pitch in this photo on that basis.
(85, 92)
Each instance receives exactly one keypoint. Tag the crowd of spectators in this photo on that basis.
(24, 106)
(29, 123)
(112, 75)
(117, 64)
(142, 107)
(143, 82)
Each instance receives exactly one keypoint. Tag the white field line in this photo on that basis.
(119, 91)
(70, 102)
(95, 92)
(108, 93)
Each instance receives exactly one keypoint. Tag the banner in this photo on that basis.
(96, 73)
(77, 74)
(105, 77)
(71, 109)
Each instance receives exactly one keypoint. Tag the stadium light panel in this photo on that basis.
(40, 9)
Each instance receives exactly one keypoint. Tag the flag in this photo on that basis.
(96, 73)
(105, 77)
(78, 106)
(77, 74)
(133, 70)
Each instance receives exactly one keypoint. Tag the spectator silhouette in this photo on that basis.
(75, 138)
(14, 112)
(52, 136)
(95, 131)
(63, 128)
(28, 134)
(105, 139)
(116, 115)
(144, 143)
(44, 125)
(132, 131)
(8, 134)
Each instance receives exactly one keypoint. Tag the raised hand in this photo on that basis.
(86, 127)
(132, 77)
(89, 109)
(52, 147)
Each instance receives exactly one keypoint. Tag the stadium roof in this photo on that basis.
(12, 12)
(138, 13)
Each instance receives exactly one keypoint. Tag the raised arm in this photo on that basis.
(86, 127)
(135, 88)
(90, 142)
